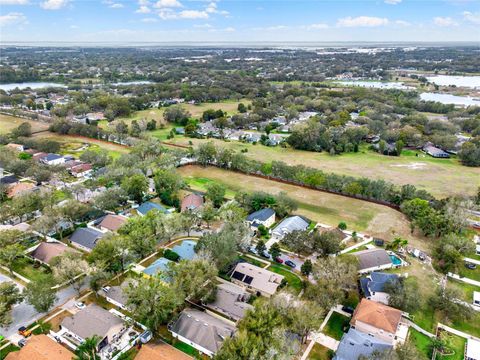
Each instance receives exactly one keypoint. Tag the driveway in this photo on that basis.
(294, 258)
(24, 314)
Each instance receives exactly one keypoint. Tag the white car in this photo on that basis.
(80, 305)
(106, 289)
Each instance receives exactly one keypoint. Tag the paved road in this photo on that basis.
(24, 314)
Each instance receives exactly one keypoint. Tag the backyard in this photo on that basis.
(336, 325)
(421, 342)
(29, 269)
(320, 352)
(293, 281)
(376, 220)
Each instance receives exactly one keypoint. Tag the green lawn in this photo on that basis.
(25, 267)
(187, 349)
(252, 261)
(10, 348)
(471, 274)
(455, 344)
(465, 290)
(336, 325)
(422, 343)
(293, 281)
(320, 352)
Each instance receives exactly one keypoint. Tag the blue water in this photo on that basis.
(157, 266)
(395, 260)
(185, 249)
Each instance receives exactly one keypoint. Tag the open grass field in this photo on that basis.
(8, 123)
(320, 352)
(75, 145)
(376, 220)
(441, 177)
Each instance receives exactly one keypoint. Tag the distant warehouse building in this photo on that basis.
(434, 151)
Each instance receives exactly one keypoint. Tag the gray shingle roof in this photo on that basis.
(290, 224)
(202, 329)
(86, 237)
(261, 215)
(93, 320)
(355, 343)
(231, 301)
(372, 258)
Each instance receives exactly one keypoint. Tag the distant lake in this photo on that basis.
(450, 99)
(375, 84)
(32, 85)
(464, 81)
(140, 82)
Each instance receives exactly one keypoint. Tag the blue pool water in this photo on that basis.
(395, 260)
(185, 249)
(157, 266)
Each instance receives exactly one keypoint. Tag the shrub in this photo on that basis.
(171, 255)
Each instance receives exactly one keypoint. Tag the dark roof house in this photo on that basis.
(355, 344)
(373, 259)
(149, 206)
(261, 215)
(46, 251)
(375, 282)
(86, 238)
(231, 300)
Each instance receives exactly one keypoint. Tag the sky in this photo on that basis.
(234, 21)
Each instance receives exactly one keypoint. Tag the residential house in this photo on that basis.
(160, 351)
(191, 202)
(380, 321)
(45, 252)
(149, 206)
(252, 137)
(265, 217)
(275, 139)
(20, 188)
(41, 347)
(180, 130)
(355, 344)
(435, 152)
(93, 321)
(257, 279)
(81, 170)
(116, 294)
(231, 301)
(112, 222)
(476, 298)
(39, 156)
(85, 238)
(53, 159)
(472, 349)
(16, 147)
(373, 286)
(286, 226)
(201, 330)
(373, 260)
(8, 180)
(236, 135)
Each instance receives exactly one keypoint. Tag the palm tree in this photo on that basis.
(87, 350)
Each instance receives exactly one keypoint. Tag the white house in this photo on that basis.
(265, 217)
(53, 159)
(288, 225)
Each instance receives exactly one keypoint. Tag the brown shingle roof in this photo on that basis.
(191, 202)
(160, 352)
(19, 188)
(41, 347)
(378, 315)
(46, 251)
(112, 222)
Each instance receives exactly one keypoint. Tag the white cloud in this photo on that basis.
(392, 2)
(73, 27)
(116, 6)
(53, 4)
(472, 17)
(229, 29)
(202, 26)
(168, 4)
(193, 14)
(444, 21)
(317, 26)
(362, 21)
(13, 2)
(149, 20)
(13, 18)
(402, 23)
(143, 9)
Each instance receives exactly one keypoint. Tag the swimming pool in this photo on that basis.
(395, 260)
(186, 249)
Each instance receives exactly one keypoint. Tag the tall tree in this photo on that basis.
(39, 293)
(135, 186)
(168, 183)
(9, 296)
(215, 193)
(87, 350)
(68, 268)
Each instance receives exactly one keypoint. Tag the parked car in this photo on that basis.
(290, 263)
(146, 336)
(22, 342)
(265, 254)
(253, 250)
(24, 331)
(348, 309)
(470, 266)
(279, 260)
(80, 305)
(106, 289)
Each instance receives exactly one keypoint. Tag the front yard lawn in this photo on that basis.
(10, 348)
(336, 325)
(293, 281)
(471, 274)
(26, 268)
